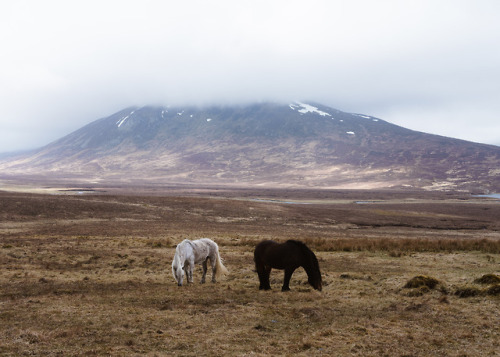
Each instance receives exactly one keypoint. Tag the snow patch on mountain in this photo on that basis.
(366, 117)
(122, 120)
(307, 108)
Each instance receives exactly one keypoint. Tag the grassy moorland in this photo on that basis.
(90, 275)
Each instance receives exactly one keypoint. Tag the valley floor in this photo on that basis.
(90, 274)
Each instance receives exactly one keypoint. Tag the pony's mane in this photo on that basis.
(177, 255)
(178, 252)
(301, 245)
(311, 257)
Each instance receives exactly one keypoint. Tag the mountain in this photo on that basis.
(299, 144)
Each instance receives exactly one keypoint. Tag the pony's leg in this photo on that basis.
(204, 265)
(213, 263)
(286, 279)
(186, 272)
(191, 268)
(260, 273)
(267, 273)
(189, 273)
(263, 273)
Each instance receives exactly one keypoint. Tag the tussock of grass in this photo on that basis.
(422, 281)
(493, 290)
(468, 291)
(423, 284)
(488, 279)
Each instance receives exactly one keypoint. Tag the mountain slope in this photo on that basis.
(298, 144)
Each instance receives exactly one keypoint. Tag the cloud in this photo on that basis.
(424, 65)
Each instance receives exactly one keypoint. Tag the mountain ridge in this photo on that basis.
(299, 144)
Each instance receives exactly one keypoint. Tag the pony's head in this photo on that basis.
(178, 270)
(314, 279)
(311, 266)
(313, 272)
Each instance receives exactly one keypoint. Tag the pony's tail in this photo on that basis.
(220, 268)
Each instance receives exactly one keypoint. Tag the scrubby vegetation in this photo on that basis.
(487, 279)
(91, 276)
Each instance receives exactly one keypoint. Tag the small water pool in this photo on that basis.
(491, 195)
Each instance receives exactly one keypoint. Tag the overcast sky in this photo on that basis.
(432, 66)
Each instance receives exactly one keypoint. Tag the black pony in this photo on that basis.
(289, 256)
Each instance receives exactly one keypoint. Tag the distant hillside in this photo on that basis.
(300, 144)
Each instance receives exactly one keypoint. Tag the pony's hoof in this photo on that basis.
(285, 289)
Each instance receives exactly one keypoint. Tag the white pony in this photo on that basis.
(188, 253)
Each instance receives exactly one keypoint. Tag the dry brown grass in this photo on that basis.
(401, 246)
(91, 276)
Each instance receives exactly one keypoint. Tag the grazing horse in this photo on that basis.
(288, 256)
(191, 252)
